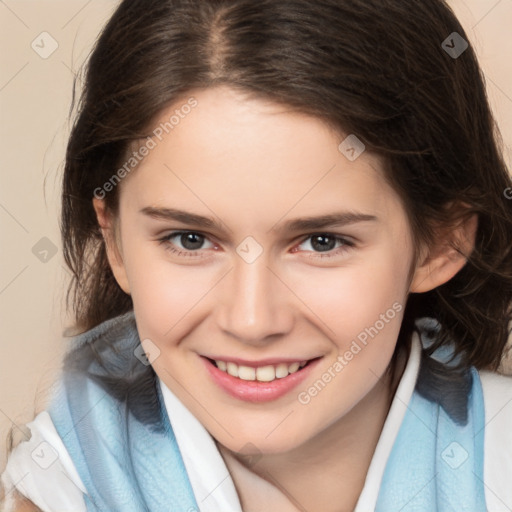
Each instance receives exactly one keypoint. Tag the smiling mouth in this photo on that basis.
(266, 373)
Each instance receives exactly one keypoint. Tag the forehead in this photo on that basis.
(241, 155)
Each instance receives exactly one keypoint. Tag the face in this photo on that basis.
(220, 262)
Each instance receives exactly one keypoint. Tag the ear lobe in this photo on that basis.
(439, 268)
(115, 259)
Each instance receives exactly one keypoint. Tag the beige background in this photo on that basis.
(35, 95)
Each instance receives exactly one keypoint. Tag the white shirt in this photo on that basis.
(58, 488)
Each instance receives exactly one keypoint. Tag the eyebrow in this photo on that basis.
(300, 224)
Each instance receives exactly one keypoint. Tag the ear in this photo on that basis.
(441, 264)
(112, 245)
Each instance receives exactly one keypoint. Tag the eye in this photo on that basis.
(326, 245)
(191, 242)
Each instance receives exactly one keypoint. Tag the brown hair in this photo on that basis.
(373, 68)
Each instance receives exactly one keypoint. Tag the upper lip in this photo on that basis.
(262, 362)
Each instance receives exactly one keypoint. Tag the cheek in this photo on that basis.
(169, 304)
(353, 297)
(164, 293)
(364, 312)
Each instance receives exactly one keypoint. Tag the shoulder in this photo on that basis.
(40, 470)
(497, 392)
(20, 504)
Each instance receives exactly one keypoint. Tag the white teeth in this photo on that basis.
(293, 367)
(246, 373)
(233, 369)
(266, 373)
(281, 370)
(263, 373)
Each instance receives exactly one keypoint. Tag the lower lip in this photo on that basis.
(256, 391)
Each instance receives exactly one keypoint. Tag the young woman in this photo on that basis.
(290, 237)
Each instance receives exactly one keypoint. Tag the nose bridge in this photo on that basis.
(255, 303)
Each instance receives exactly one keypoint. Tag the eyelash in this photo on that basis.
(347, 245)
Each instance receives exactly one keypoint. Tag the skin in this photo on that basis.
(253, 165)
(21, 504)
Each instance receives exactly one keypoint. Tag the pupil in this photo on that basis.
(323, 243)
(191, 241)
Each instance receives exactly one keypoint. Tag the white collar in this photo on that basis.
(210, 479)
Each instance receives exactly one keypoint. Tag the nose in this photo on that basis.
(255, 306)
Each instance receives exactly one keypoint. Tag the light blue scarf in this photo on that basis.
(110, 415)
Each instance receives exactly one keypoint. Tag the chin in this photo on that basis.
(269, 443)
